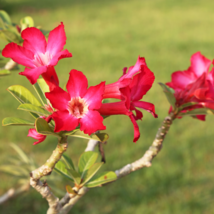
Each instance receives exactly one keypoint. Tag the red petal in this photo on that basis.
(199, 64)
(19, 54)
(136, 129)
(56, 40)
(146, 106)
(141, 83)
(34, 40)
(64, 121)
(34, 134)
(77, 84)
(51, 78)
(113, 108)
(91, 122)
(58, 98)
(58, 56)
(94, 96)
(33, 74)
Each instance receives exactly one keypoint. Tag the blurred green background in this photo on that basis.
(105, 36)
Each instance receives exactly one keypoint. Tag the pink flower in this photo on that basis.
(194, 85)
(130, 89)
(34, 134)
(37, 54)
(78, 106)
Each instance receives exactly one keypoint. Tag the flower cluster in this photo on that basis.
(80, 107)
(196, 85)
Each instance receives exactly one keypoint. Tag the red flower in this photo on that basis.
(130, 89)
(77, 106)
(194, 85)
(37, 54)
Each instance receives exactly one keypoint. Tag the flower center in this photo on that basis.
(77, 107)
(41, 59)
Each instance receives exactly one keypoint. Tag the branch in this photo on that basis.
(10, 65)
(154, 149)
(48, 167)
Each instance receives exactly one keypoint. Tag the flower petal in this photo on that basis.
(58, 98)
(34, 134)
(77, 84)
(200, 64)
(94, 96)
(19, 54)
(56, 40)
(91, 122)
(146, 106)
(141, 83)
(64, 121)
(33, 74)
(58, 56)
(136, 128)
(51, 78)
(34, 40)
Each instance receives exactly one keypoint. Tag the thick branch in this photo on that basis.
(10, 65)
(44, 190)
(48, 167)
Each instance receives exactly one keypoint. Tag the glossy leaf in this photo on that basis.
(14, 121)
(39, 90)
(35, 109)
(91, 172)
(102, 178)
(5, 17)
(87, 159)
(70, 190)
(68, 162)
(23, 95)
(60, 167)
(75, 175)
(198, 111)
(102, 137)
(169, 92)
(42, 127)
(4, 72)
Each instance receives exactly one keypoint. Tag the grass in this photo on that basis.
(105, 36)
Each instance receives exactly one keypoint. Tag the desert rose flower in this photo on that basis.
(194, 85)
(78, 106)
(37, 54)
(131, 95)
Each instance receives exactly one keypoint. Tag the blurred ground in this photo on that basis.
(105, 36)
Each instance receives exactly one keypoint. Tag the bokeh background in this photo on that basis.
(105, 36)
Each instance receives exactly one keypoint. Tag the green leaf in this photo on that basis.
(26, 22)
(42, 127)
(4, 72)
(70, 190)
(35, 109)
(186, 105)
(14, 121)
(87, 159)
(5, 17)
(198, 111)
(75, 175)
(102, 178)
(169, 92)
(39, 87)
(68, 162)
(23, 95)
(12, 35)
(60, 167)
(102, 137)
(91, 172)
(20, 152)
